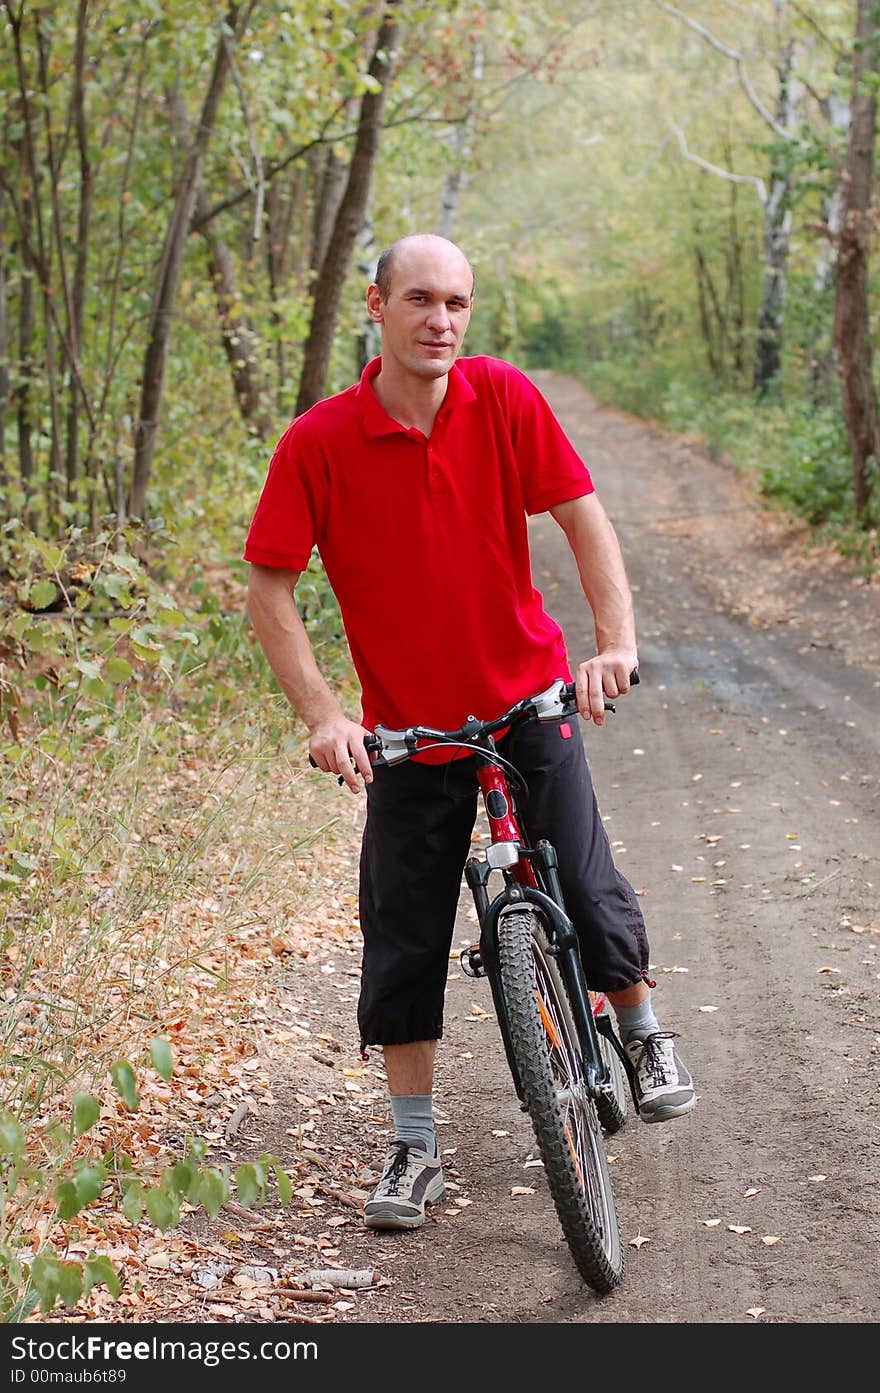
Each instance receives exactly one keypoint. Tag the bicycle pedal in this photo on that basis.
(472, 962)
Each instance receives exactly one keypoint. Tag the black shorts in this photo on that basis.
(416, 840)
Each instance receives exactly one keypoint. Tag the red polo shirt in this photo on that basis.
(425, 540)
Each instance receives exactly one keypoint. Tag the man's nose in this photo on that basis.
(439, 318)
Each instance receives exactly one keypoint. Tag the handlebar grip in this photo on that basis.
(372, 744)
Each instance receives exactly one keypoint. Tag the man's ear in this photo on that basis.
(374, 304)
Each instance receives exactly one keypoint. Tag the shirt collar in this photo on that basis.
(376, 419)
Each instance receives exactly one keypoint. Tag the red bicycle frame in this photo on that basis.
(504, 827)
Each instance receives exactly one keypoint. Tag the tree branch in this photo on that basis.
(716, 169)
(737, 58)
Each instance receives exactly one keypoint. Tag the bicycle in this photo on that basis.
(569, 1069)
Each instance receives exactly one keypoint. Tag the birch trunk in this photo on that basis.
(777, 234)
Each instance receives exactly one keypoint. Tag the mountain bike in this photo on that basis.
(569, 1068)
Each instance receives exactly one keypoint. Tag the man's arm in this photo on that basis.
(284, 640)
(603, 577)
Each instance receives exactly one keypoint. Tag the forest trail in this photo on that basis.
(739, 786)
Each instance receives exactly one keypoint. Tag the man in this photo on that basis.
(415, 485)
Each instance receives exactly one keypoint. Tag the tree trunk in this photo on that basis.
(25, 373)
(349, 220)
(4, 346)
(823, 367)
(777, 234)
(236, 330)
(331, 188)
(286, 202)
(168, 275)
(462, 136)
(852, 330)
(78, 297)
(239, 340)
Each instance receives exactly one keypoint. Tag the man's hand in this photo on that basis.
(606, 675)
(337, 747)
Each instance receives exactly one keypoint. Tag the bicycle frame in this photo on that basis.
(531, 879)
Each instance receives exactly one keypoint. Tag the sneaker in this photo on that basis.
(663, 1085)
(410, 1180)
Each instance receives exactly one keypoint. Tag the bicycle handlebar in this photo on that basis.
(559, 700)
(386, 746)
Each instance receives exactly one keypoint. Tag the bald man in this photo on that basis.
(415, 484)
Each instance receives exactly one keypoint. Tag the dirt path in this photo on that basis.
(741, 793)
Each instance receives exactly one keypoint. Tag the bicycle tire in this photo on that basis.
(613, 1107)
(544, 1044)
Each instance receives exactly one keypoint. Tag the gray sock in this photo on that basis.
(636, 1021)
(414, 1120)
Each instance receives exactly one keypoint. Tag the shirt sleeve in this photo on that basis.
(286, 524)
(550, 468)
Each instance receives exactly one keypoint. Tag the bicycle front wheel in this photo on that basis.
(545, 1046)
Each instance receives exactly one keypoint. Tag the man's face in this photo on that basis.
(428, 308)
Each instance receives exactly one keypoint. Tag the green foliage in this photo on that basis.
(45, 1278)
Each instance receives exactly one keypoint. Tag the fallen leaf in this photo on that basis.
(497, 1133)
(638, 1240)
(817, 1177)
(753, 1190)
(523, 1190)
(770, 1239)
(739, 1228)
(708, 1008)
(755, 1311)
(711, 1223)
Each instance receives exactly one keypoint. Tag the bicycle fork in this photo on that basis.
(482, 961)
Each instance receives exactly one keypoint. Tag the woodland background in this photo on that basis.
(673, 203)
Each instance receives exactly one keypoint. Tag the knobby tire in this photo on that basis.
(565, 1122)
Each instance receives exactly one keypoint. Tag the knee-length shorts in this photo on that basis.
(416, 840)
